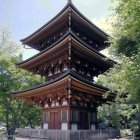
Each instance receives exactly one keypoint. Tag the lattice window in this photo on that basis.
(75, 116)
(45, 117)
(64, 116)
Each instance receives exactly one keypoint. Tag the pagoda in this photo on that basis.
(69, 58)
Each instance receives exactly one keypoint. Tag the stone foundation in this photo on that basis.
(42, 134)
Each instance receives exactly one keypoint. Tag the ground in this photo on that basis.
(126, 138)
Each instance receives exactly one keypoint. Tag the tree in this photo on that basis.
(125, 76)
(127, 37)
(15, 112)
(109, 115)
(7, 45)
(127, 42)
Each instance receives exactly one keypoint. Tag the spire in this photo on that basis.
(70, 1)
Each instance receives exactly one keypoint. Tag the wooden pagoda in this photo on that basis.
(69, 59)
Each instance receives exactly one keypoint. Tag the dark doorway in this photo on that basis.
(84, 120)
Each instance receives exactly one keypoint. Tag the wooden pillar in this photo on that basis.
(96, 121)
(42, 119)
(69, 102)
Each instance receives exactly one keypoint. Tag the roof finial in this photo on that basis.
(69, 1)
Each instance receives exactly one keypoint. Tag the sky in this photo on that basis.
(23, 17)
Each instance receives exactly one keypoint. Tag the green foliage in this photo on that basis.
(109, 115)
(15, 112)
(125, 76)
(6, 44)
(128, 34)
(31, 117)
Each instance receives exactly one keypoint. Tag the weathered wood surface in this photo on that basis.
(38, 134)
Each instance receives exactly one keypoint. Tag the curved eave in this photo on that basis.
(93, 26)
(65, 77)
(59, 15)
(62, 40)
(25, 40)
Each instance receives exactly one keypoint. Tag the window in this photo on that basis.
(45, 117)
(64, 116)
(74, 115)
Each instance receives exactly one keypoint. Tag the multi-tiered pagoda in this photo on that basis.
(69, 59)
